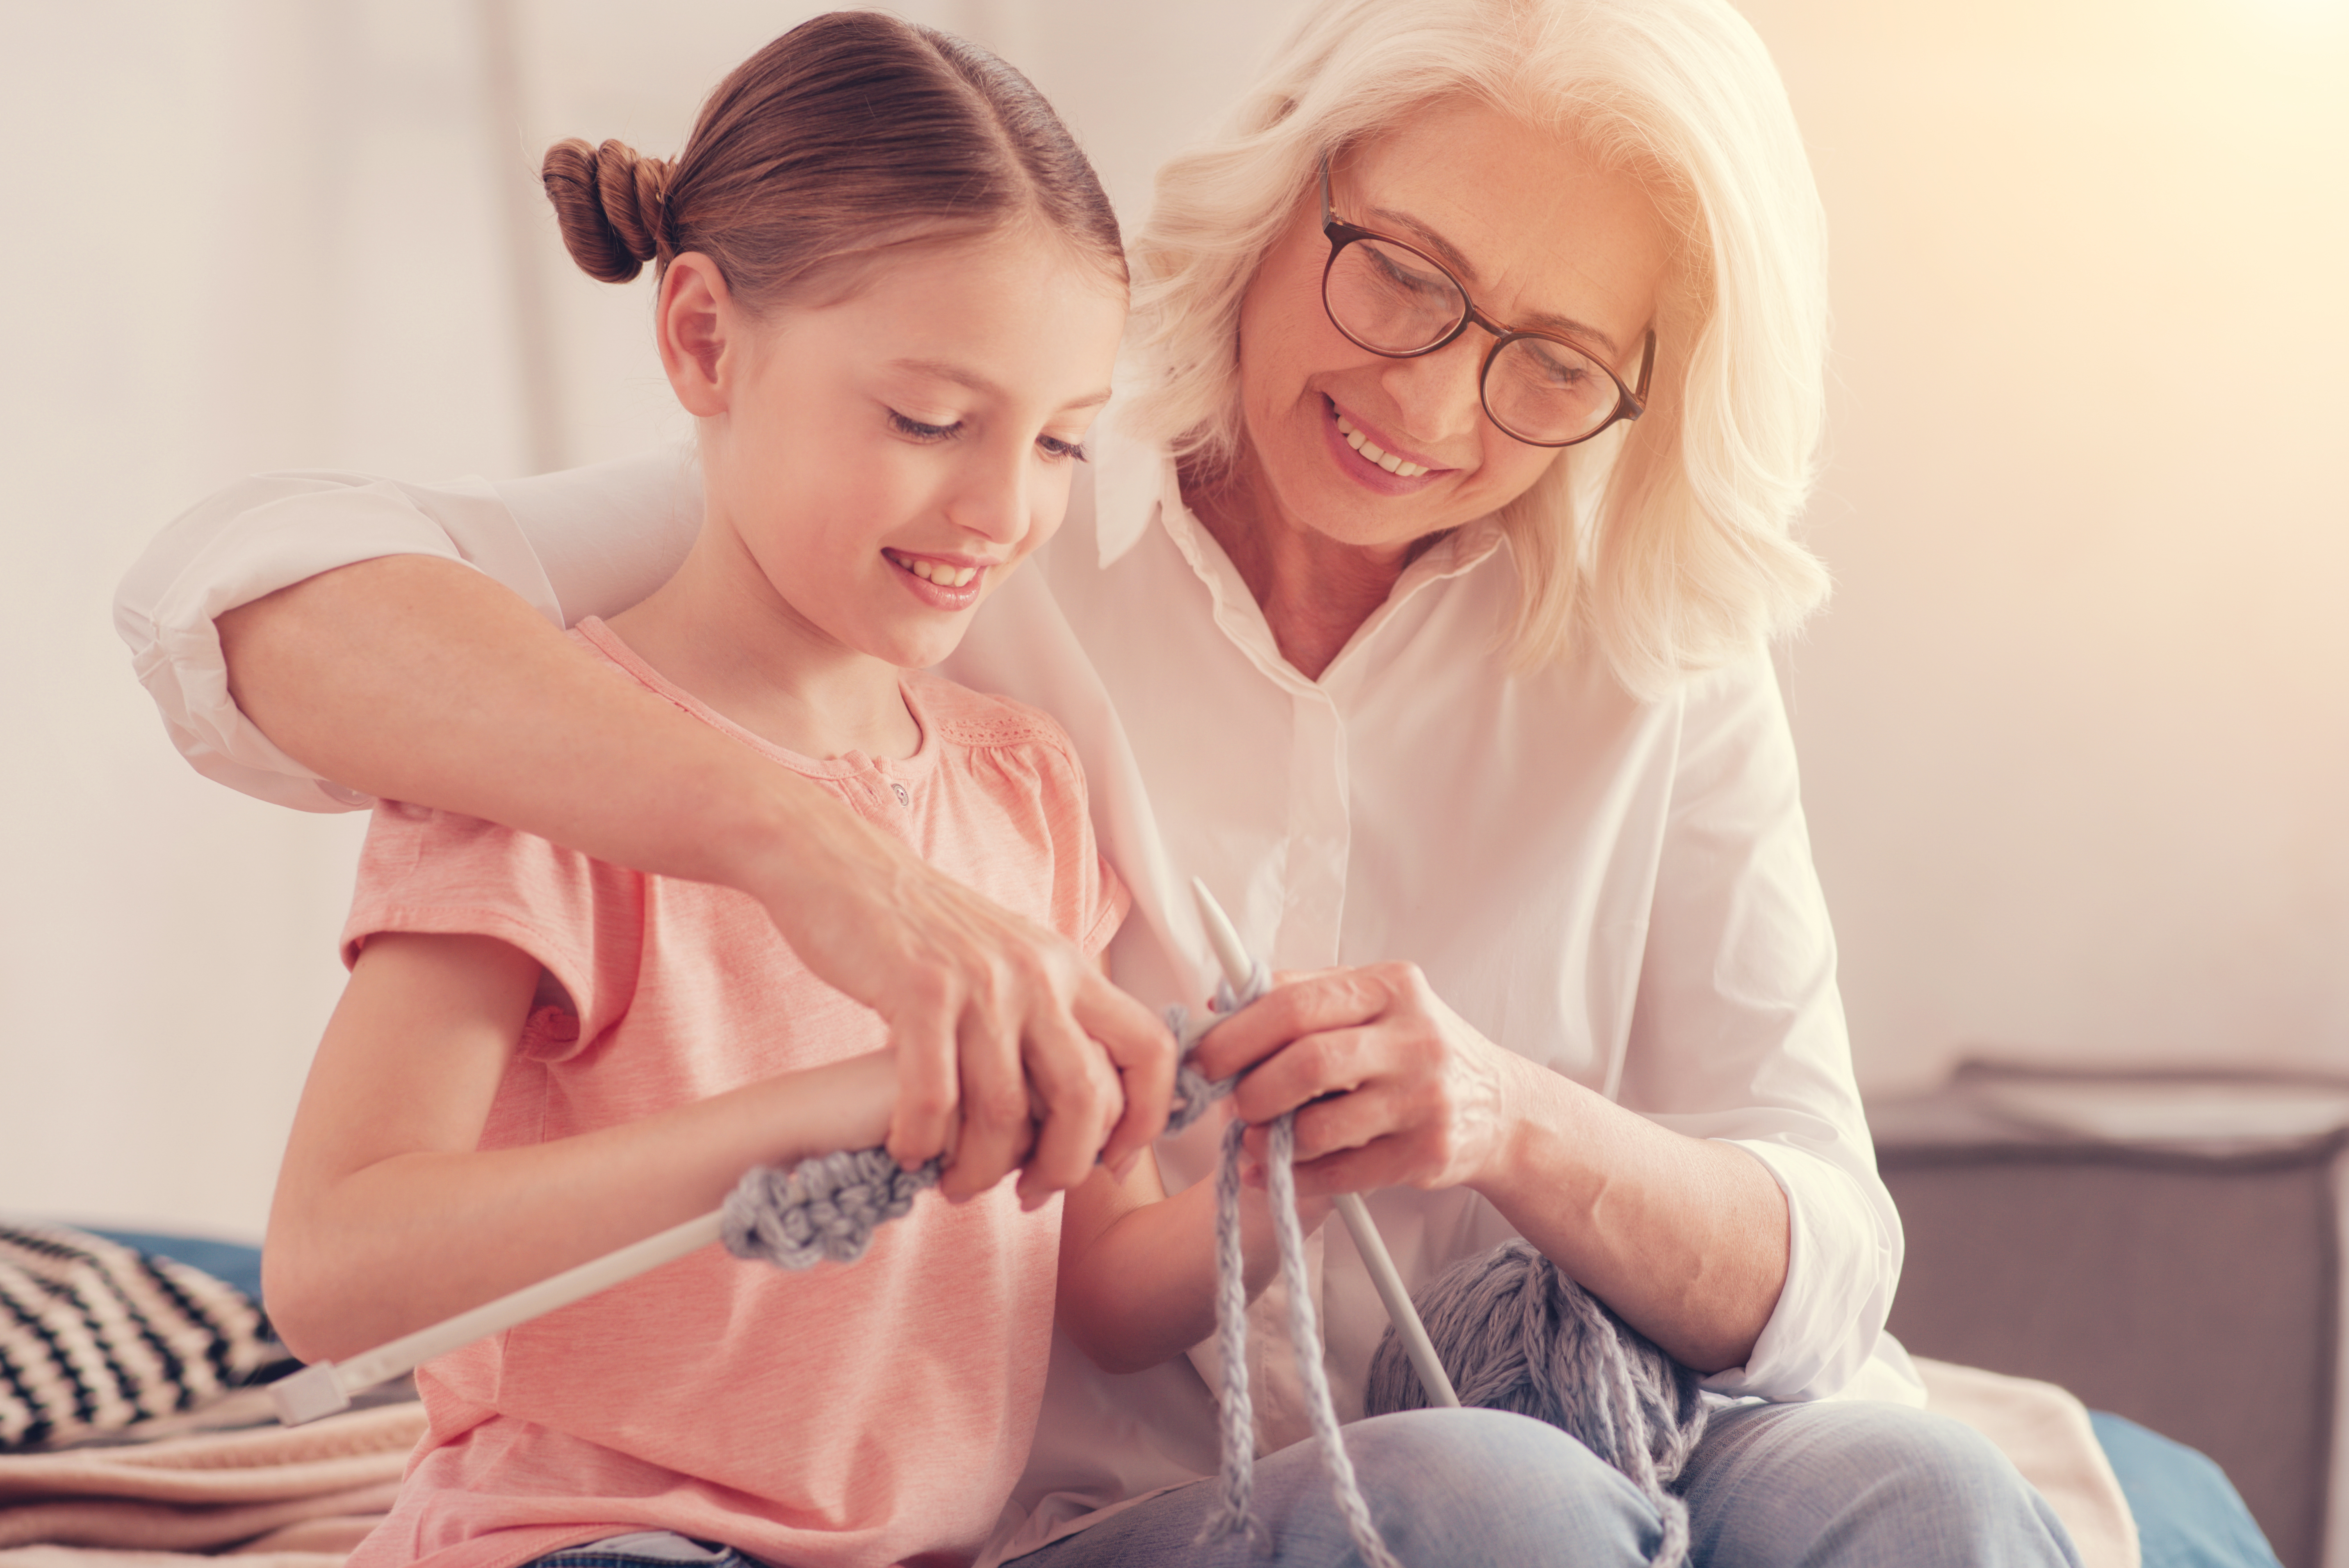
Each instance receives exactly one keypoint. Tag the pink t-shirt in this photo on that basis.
(872, 1414)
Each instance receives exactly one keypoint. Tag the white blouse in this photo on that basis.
(1621, 891)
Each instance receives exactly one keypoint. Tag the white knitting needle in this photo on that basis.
(324, 1388)
(1240, 969)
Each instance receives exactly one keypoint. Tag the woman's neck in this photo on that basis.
(720, 630)
(1315, 591)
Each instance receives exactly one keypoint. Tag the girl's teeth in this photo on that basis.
(936, 571)
(1376, 454)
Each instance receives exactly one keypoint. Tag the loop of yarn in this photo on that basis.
(1514, 1333)
(823, 1209)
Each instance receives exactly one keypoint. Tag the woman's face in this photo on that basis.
(887, 460)
(1540, 236)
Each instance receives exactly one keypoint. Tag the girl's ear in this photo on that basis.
(696, 325)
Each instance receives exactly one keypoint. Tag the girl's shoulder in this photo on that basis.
(966, 720)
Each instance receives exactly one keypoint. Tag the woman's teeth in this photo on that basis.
(1387, 461)
(937, 571)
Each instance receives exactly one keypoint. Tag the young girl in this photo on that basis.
(891, 292)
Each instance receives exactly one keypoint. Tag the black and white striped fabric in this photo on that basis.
(94, 1336)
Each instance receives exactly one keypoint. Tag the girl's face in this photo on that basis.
(1541, 236)
(887, 459)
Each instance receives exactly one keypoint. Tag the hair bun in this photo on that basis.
(611, 204)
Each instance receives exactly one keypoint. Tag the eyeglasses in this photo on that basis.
(1398, 301)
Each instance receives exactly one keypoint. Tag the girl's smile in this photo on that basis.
(944, 582)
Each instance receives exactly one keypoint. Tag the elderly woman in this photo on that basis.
(1418, 603)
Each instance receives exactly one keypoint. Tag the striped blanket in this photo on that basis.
(95, 1337)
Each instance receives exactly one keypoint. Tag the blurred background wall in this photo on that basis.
(2075, 727)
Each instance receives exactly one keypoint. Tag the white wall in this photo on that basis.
(2076, 730)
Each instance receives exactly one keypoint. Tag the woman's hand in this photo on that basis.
(1685, 1237)
(1417, 1099)
(1003, 1030)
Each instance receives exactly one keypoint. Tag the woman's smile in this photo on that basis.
(1365, 455)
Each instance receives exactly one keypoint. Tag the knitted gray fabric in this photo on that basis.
(827, 1208)
(1515, 1333)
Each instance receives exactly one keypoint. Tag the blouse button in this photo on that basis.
(903, 799)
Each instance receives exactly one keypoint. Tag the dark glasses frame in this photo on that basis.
(1629, 403)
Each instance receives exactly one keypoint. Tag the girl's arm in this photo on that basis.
(388, 1219)
(416, 678)
(1138, 1268)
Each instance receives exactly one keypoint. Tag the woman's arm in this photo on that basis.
(387, 1218)
(1138, 1268)
(419, 679)
(1725, 1197)
(400, 641)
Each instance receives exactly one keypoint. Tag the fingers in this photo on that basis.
(1393, 1156)
(1366, 1170)
(1141, 1052)
(1331, 999)
(1078, 1100)
(1333, 1062)
(995, 1128)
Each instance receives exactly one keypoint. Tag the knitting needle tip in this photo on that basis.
(1237, 967)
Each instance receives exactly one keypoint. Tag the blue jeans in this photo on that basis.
(1842, 1484)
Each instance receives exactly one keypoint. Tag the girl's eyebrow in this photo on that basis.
(947, 370)
(1565, 326)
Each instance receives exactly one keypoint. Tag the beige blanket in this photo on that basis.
(2045, 1431)
(297, 1497)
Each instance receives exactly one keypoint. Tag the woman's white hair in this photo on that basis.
(1687, 557)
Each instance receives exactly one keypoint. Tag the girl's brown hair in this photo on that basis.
(851, 133)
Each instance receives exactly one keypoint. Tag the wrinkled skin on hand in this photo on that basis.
(1390, 1086)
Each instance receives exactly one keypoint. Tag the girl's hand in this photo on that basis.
(1390, 1087)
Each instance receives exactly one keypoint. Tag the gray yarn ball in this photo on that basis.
(1515, 1333)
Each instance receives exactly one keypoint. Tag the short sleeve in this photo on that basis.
(440, 873)
(1089, 900)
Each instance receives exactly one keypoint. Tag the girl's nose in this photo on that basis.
(991, 498)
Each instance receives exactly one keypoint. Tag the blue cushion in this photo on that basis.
(2188, 1514)
(239, 1266)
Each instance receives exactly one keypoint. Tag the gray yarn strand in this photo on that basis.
(1517, 1333)
(1235, 1410)
(1305, 1341)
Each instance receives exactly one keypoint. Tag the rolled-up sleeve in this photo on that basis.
(1739, 1032)
(586, 542)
